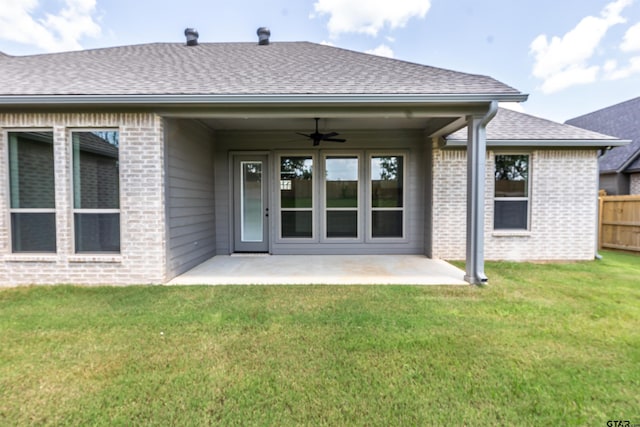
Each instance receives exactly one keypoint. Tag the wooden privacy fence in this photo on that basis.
(619, 222)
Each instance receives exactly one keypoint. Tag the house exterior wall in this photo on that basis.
(142, 257)
(609, 183)
(409, 142)
(615, 184)
(634, 187)
(563, 216)
(190, 195)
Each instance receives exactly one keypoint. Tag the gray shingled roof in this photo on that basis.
(231, 68)
(509, 125)
(623, 121)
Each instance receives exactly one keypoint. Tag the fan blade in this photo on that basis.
(304, 134)
(334, 139)
(330, 135)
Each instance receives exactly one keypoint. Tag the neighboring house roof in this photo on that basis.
(92, 143)
(231, 69)
(511, 128)
(635, 166)
(623, 121)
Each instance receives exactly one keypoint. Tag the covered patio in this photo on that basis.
(212, 151)
(263, 269)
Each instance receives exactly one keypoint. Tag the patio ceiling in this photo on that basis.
(303, 123)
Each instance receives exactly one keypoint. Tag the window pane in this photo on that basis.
(342, 182)
(296, 224)
(33, 232)
(31, 170)
(510, 215)
(512, 176)
(95, 170)
(386, 224)
(342, 224)
(97, 232)
(386, 181)
(296, 182)
(252, 217)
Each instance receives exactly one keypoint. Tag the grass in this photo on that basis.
(544, 344)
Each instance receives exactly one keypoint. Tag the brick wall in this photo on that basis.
(634, 185)
(142, 258)
(563, 207)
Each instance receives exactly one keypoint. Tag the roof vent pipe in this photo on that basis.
(192, 36)
(263, 36)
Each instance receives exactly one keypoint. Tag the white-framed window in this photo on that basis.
(361, 196)
(96, 190)
(32, 191)
(512, 192)
(387, 192)
(296, 196)
(342, 196)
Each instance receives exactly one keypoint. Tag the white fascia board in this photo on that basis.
(151, 100)
(558, 143)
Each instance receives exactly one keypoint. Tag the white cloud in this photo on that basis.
(631, 41)
(622, 73)
(562, 61)
(382, 50)
(571, 76)
(54, 32)
(610, 65)
(368, 16)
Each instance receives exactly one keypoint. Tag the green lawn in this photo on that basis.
(544, 344)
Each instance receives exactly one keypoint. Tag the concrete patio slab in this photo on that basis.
(322, 269)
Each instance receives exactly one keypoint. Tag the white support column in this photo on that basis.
(476, 172)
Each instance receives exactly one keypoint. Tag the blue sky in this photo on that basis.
(570, 56)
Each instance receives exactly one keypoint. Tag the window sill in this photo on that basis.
(90, 258)
(512, 233)
(31, 258)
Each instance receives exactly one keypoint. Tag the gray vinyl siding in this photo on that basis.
(614, 184)
(224, 222)
(190, 195)
(411, 143)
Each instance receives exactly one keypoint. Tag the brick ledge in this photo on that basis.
(96, 258)
(512, 233)
(30, 258)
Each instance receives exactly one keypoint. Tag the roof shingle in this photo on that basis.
(231, 68)
(509, 125)
(623, 121)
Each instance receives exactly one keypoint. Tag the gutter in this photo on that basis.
(477, 152)
(596, 254)
(154, 100)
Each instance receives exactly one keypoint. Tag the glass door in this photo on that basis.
(341, 197)
(251, 208)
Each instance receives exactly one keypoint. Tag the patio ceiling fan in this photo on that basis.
(317, 137)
